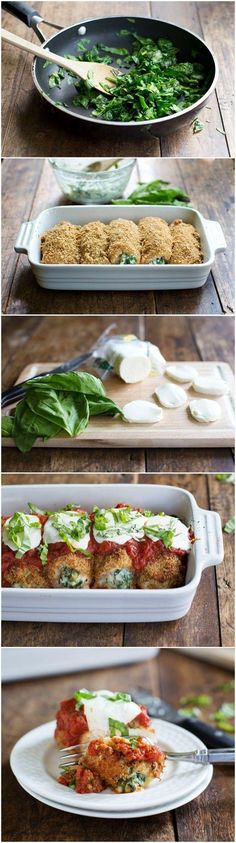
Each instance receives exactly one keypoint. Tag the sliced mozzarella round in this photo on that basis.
(142, 412)
(170, 395)
(22, 532)
(204, 410)
(98, 710)
(63, 523)
(157, 525)
(181, 372)
(210, 385)
(132, 368)
(119, 532)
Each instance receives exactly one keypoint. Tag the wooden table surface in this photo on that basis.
(32, 128)
(28, 703)
(51, 338)
(210, 621)
(37, 190)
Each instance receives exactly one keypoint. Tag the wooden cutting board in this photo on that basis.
(177, 429)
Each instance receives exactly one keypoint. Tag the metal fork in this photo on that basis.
(70, 758)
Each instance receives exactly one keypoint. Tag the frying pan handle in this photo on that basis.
(23, 12)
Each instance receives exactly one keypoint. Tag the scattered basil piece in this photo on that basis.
(226, 478)
(116, 726)
(229, 527)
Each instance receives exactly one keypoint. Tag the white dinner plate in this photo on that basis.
(34, 761)
(127, 814)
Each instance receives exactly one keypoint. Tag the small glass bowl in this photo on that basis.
(91, 188)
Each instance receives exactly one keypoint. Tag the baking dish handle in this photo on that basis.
(23, 239)
(213, 547)
(216, 236)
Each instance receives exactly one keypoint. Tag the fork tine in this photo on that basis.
(76, 746)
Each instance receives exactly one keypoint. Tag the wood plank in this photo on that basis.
(201, 819)
(174, 427)
(209, 142)
(221, 497)
(19, 184)
(191, 459)
(36, 634)
(68, 460)
(202, 181)
(216, 19)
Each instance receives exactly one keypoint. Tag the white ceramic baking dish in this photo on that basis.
(101, 605)
(97, 277)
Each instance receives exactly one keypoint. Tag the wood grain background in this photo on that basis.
(31, 128)
(40, 339)
(210, 621)
(29, 187)
(172, 675)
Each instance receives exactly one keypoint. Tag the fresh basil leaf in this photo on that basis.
(35, 509)
(116, 726)
(119, 696)
(69, 382)
(99, 405)
(7, 425)
(24, 440)
(67, 412)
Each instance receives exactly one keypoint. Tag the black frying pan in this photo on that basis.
(103, 30)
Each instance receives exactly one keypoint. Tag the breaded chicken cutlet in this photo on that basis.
(123, 242)
(166, 570)
(114, 570)
(186, 243)
(70, 570)
(123, 764)
(156, 240)
(25, 576)
(60, 244)
(93, 243)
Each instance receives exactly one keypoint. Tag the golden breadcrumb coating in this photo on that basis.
(186, 246)
(166, 570)
(26, 576)
(156, 239)
(114, 561)
(93, 243)
(60, 244)
(123, 239)
(70, 570)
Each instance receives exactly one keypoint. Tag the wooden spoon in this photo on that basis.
(97, 74)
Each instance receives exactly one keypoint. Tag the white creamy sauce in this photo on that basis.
(142, 412)
(180, 541)
(171, 396)
(181, 372)
(211, 385)
(30, 534)
(121, 533)
(204, 410)
(98, 710)
(66, 519)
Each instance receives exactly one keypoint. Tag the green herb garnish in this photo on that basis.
(226, 478)
(116, 726)
(229, 527)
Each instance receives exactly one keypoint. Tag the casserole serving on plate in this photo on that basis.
(119, 277)
(101, 605)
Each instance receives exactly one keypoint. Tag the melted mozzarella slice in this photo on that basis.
(22, 532)
(181, 373)
(204, 411)
(118, 532)
(142, 412)
(210, 385)
(98, 710)
(157, 525)
(170, 395)
(64, 523)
